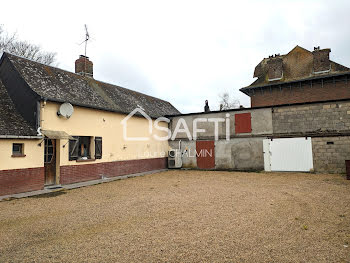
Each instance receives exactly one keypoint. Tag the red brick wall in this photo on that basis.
(78, 173)
(306, 93)
(21, 180)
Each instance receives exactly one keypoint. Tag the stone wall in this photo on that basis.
(330, 153)
(320, 117)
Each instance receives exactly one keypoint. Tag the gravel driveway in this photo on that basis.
(184, 216)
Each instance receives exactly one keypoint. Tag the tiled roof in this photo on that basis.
(297, 66)
(62, 86)
(11, 122)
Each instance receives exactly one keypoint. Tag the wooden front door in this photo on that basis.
(205, 151)
(50, 161)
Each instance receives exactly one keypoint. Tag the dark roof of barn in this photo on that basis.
(297, 66)
(54, 84)
(11, 122)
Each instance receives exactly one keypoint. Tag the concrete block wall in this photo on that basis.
(330, 153)
(239, 154)
(247, 154)
(234, 154)
(188, 148)
(261, 121)
(318, 117)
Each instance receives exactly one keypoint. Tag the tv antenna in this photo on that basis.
(87, 37)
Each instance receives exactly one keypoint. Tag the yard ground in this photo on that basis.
(184, 216)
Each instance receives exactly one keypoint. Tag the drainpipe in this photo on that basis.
(39, 111)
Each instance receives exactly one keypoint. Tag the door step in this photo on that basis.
(54, 187)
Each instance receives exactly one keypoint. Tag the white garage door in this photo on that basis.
(288, 154)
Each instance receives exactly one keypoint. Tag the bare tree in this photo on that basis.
(227, 102)
(10, 43)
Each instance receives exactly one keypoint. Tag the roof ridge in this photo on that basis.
(86, 78)
(297, 46)
(60, 85)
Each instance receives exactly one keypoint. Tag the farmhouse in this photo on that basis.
(58, 127)
(299, 120)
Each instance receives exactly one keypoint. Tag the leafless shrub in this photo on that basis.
(227, 102)
(10, 43)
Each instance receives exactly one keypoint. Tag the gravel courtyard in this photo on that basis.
(184, 216)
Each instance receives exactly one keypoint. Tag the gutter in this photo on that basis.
(19, 137)
(318, 77)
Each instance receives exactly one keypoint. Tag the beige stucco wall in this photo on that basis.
(91, 122)
(34, 154)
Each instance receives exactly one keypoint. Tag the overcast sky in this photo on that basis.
(181, 51)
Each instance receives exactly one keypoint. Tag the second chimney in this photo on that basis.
(321, 60)
(84, 66)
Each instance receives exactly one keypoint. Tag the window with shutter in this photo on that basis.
(98, 147)
(84, 147)
(243, 123)
(73, 148)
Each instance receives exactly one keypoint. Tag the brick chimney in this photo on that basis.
(84, 66)
(321, 60)
(275, 67)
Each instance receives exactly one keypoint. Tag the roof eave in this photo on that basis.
(244, 89)
(20, 137)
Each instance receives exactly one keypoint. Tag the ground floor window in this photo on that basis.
(18, 150)
(85, 147)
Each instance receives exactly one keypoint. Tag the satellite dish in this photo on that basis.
(66, 110)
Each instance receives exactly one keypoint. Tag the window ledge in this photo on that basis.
(85, 160)
(18, 155)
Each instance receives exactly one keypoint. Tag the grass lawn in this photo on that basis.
(184, 216)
